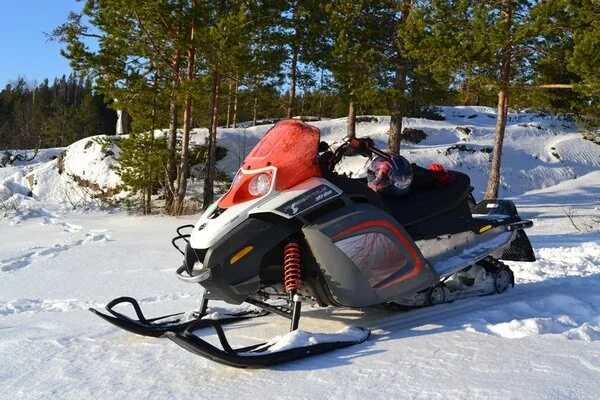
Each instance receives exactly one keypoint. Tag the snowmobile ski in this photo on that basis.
(254, 356)
(158, 326)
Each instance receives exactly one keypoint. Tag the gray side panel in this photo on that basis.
(366, 257)
(346, 282)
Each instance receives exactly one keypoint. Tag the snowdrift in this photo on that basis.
(78, 175)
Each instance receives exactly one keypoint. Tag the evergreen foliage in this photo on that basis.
(52, 114)
(182, 64)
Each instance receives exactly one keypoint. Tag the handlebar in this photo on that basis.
(354, 146)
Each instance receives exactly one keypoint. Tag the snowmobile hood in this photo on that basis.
(216, 222)
(290, 148)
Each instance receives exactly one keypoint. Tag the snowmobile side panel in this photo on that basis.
(366, 257)
(233, 280)
(300, 199)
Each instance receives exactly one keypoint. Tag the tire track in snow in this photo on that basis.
(493, 315)
(35, 253)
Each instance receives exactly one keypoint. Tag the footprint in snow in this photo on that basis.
(40, 305)
(31, 255)
(70, 227)
(67, 227)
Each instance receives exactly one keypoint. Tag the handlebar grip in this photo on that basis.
(355, 143)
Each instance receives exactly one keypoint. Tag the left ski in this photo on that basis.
(156, 327)
(259, 355)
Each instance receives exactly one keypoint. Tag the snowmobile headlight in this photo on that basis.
(259, 185)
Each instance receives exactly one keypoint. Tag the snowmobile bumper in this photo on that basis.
(255, 356)
(230, 269)
(504, 213)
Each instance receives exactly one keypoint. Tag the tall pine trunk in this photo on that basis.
(400, 74)
(502, 113)
(211, 159)
(187, 127)
(292, 98)
(255, 111)
(171, 172)
(235, 104)
(351, 129)
(229, 95)
(395, 133)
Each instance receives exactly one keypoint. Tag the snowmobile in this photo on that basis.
(290, 229)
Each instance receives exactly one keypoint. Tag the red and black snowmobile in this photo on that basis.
(291, 230)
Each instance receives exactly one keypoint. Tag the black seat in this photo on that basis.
(425, 200)
(357, 189)
(426, 203)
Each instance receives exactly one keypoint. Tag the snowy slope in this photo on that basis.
(539, 340)
(539, 151)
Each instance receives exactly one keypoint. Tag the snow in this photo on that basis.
(300, 338)
(538, 340)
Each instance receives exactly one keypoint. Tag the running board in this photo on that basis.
(466, 248)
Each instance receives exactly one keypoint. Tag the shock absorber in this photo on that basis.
(292, 279)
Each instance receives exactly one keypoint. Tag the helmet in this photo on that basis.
(390, 176)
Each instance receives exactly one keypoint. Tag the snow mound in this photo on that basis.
(301, 338)
(539, 326)
(79, 175)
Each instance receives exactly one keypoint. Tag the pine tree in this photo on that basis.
(235, 41)
(357, 51)
(486, 41)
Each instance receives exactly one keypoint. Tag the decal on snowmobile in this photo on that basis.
(308, 200)
(375, 250)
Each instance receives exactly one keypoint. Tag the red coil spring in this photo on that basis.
(292, 275)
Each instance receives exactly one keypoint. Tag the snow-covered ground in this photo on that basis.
(539, 340)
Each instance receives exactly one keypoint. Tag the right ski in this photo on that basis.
(258, 355)
(158, 326)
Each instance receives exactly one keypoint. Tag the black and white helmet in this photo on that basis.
(390, 176)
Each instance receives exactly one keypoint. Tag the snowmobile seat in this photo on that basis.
(357, 190)
(426, 212)
(426, 203)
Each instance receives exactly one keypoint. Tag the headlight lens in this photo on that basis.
(259, 185)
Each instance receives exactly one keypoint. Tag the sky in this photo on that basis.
(24, 49)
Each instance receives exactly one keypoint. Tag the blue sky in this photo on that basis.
(24, 49)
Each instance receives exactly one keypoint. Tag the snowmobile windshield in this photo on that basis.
(285, 156)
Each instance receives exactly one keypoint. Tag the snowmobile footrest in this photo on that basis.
(156, 327)
(255, 356)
